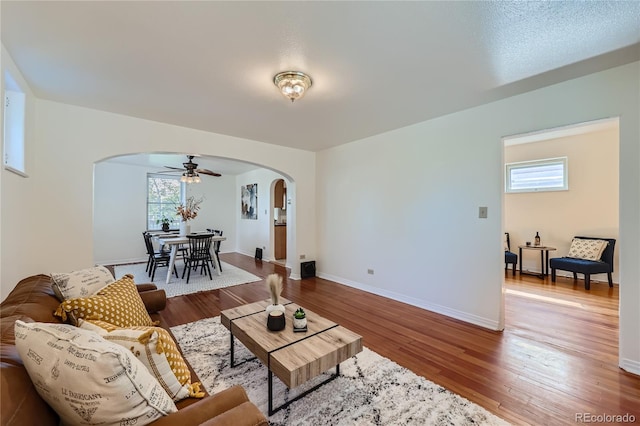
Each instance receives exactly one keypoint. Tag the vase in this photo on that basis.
(185, 228)
(299, 322)
(278, 307)
(276, 321)
(165, 227)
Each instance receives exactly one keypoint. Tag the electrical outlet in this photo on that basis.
(482, 212)
(303, 256)
(264, 248)
(370, 271)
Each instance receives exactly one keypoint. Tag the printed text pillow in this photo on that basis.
(82, 283)
(88, 380)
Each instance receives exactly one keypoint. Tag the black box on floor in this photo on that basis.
(308, 269)
(258, 253)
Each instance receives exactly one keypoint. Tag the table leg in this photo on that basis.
(216, 263)
(542, 263)
(520, 253)
(546, 263)
(172, 261)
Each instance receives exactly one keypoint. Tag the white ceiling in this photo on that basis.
(376, 66)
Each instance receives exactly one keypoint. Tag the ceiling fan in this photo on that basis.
(190, 171)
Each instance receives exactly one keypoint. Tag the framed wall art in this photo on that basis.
(249, 201)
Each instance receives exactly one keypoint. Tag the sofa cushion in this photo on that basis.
(88, 380)
(81, 283)
(587, 249)
(156, 349)
(118, 303)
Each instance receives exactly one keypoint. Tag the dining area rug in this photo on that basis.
(371, 389)
(177, 286)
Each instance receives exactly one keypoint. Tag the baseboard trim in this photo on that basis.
(630, 366)
(122, 261)
(432, 307)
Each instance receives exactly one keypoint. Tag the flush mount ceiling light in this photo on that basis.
(292, 84)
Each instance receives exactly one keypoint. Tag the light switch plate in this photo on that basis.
(482, 212)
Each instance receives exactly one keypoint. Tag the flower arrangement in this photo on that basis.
(189, 210)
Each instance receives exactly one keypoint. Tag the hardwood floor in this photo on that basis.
(556, 358)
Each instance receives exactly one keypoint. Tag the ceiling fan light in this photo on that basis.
(292, 84)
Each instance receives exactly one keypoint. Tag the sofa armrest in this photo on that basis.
(244, 414)
(212, 406)
(154, 300)
(146, 287)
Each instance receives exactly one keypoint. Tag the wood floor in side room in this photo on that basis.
(556, 359)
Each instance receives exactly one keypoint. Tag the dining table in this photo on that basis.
(175, 240)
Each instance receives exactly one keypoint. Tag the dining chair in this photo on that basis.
(156, 258)
(199, 254)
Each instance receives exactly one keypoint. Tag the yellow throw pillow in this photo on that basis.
(156, 349)
(118, 303)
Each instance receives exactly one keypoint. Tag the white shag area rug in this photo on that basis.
(177, 287)
(371, 389)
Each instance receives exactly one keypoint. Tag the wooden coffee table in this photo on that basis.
(294, 357)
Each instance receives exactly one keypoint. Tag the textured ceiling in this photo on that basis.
(376, 66)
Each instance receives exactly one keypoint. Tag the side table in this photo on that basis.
(544, 258)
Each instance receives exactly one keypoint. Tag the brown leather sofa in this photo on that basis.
(33, 300)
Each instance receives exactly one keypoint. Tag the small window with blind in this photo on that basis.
(536, 176)
(14, 127)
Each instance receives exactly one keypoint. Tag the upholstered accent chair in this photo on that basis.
(510, 258)
(581, 259)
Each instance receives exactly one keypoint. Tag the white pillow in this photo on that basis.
(81, 283)
(587, 249)
(88, 380)
(155, 348)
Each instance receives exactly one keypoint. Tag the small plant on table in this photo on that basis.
(300, 319)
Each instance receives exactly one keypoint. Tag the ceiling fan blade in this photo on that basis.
(175, 168)
(170, 171)
(208, 172)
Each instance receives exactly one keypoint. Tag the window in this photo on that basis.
(14, 120)
(538, 175)
(164, 194)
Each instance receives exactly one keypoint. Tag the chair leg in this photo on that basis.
(220, 264)
(187, 264)
(575, 276)
(153, 273)
(206, 264)
(587, 281)
(514, 268)
(610, 279)
(553, 275)
(188, 273)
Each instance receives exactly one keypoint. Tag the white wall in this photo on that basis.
(119, 213)
(258, 233)
(588, 208)
(54, 206)
(405, 203)
(17, 212)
